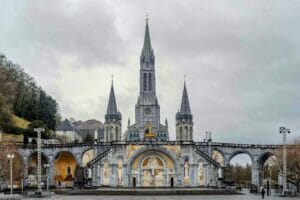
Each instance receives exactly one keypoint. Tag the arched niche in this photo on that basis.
(218, 156)
(64, 169)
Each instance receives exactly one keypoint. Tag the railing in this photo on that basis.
(207, 157)
(98, 157)
(153, 143)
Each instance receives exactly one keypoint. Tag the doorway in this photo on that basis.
(134, 182)
(172, 182)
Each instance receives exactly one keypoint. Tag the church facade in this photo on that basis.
(144, 156)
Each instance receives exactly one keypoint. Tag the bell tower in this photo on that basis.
(113, 119)
(184, 119)
(147, 109)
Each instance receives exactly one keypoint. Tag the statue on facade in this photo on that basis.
(120, 172)
(106, 173)
(186, 178)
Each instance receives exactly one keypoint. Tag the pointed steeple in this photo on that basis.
(185, 104)
(185, 109)
(147, 51)
(112, 110)
(147, 41)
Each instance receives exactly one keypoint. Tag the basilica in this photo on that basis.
(143, 156)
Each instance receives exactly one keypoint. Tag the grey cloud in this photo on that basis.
(241, 59)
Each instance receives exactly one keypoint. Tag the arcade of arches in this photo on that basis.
(139, 166)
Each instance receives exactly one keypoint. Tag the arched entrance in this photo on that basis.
(239, 171)
(87, 157)
(153, 171)
(152, 168)
(33, 169)
(64, 169)
(218, 156)
(268, 164)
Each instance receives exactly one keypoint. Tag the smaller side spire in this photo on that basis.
(185, 108)
(184, 119)
(112, 110)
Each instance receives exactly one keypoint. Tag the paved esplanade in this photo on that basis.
(209, 197)
(143, 155)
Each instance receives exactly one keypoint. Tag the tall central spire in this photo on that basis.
(147, 55)
(147, 42)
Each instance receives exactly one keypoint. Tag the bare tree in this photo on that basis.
(293, 161)
(5, 149)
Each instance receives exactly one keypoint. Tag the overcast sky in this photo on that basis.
(241, 59)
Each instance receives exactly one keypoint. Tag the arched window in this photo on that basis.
(180, 133)
(150, 82)
(111, 135)
(117, 133)
(145, 82)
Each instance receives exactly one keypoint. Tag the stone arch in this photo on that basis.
(17, 165)
(86, 156)
(237, 152)
(32, 160)
(159, 149)
(139, 155)
(262, 158)
(64, 168)
(218, 156)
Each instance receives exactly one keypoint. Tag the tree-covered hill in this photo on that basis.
(21, 96)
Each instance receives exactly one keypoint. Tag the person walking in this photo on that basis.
(262, 192)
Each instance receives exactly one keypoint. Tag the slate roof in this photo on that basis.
(65, 126)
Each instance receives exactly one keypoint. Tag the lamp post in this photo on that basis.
(270, 180)
(11, 157)
(284, 131)
(47, 176)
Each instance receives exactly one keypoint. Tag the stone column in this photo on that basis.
(51, 170)
(256, 171)
(25, 170)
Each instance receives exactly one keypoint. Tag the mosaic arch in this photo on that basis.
(87, 157)
(218, 156)
(152, 169)
(64, 169)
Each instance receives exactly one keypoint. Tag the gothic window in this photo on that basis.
(145, 82)
(180, 133)
(117, 133)
(111, 136)
(150, 82)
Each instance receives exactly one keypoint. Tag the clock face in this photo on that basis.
(147, 111)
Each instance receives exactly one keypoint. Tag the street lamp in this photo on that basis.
(270, 179)
(11, 157)
(47, 177)
(284, 131)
